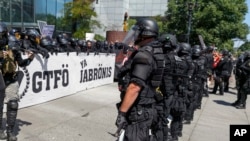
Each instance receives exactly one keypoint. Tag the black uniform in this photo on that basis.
(183, 72)
(145, 74)
(221, 73)
(238, 78)
(245, 85)
(230, 69)
(168, 83)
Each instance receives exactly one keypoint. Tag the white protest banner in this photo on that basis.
(41, 24)
(61, 75)
(48, 30)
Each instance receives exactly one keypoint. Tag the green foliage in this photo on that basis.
(218, 21)
(99, 37)
(131, 22)
(78, 16)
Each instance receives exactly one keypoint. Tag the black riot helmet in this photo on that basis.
(3, 34)
(15, 32)
(225, 52)
(46, 42)
(73, 41)
(62, 39)
(33, 35)
(185, 48)
(196, 51)
(82, 43)
(247, 55)
(169, 41)
(143, 29)
(210, 49)
(13, 43)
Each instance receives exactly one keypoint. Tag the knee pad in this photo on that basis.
(12, 105)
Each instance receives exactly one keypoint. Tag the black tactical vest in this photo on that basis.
(199, 69)
(149, 93)
(180, 67)
(160, 64)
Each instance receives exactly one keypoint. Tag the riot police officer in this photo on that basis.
(245, 78)
(194, 100)
(64, 42)
(168, 87)
(32, 42)
(238, 79)
(230, 69)
(137, 112)
(182, 73)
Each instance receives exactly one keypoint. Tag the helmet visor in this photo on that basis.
(132, 35)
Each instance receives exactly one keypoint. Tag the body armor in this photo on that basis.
(148, 58)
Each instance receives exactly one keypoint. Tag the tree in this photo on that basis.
(245, 47)
(78, 15)
(218, 21)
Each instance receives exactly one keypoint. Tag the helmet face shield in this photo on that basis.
(132, 35)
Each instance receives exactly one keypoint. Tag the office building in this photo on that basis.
(110, 13)
(26, 13)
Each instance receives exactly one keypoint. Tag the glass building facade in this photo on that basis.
(111, 12)
(25, 13)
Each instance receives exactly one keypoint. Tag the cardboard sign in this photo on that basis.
(48, 30)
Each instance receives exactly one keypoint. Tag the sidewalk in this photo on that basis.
(212, 122)
(90, 116)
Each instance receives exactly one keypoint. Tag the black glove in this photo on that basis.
(121, 121)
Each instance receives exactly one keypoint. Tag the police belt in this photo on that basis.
(141, 106)
(140, 113)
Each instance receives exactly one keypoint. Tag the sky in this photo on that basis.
(237, 42)
(247, 17)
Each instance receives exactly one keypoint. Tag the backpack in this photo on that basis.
(9, 64)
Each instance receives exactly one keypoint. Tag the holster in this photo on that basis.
(139, 114)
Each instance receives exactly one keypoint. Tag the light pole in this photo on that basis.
(190, 14)
(191, 6)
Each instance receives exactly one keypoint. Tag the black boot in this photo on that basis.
(11, 119)
(3, 135)
(235, 103)
(174, 138)
(11, 137)
(187, 122)
(240, 106)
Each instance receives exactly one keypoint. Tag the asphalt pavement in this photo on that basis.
(90, 116)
